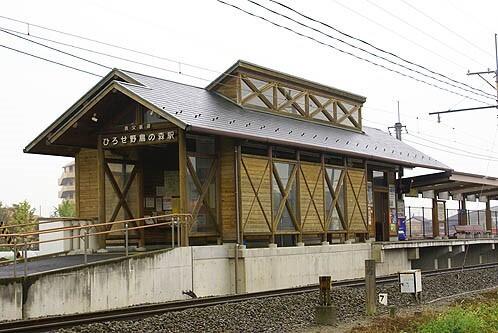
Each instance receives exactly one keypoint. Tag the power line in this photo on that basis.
(451, 152)
(55, 49)
(347, 52)
(450, 147)
(402, 36)
(445, 27)
(423, 32)
(373, 46)
(29, 24)
(49, 60)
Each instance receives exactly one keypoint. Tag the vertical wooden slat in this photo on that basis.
(77, 183)
(182, 171)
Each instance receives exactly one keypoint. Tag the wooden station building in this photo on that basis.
(258, 157)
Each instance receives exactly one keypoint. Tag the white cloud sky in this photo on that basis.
(206, 33)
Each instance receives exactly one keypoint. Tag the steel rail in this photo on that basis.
(141, 311)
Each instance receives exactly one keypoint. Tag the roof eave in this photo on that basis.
(303, 145)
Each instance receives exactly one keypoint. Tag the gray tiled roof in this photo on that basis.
(203, 110)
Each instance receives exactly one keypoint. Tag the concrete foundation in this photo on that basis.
(164, 275)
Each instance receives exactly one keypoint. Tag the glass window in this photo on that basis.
(334, 175)
(205, 218)
(201, 144)
(284, 171)
(379, 178)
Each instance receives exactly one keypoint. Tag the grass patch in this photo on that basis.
(477, 315)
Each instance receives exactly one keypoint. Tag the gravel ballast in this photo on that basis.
(292, 313)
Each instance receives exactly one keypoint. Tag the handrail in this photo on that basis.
(45, 220)
(90, 234)
(47, 231)
(183, 216)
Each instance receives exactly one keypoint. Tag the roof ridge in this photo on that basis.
(161, 79)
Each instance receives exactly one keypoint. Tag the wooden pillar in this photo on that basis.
(435, 218)
(238, 172)
(463, 211)
(77, 184)
(298, 196)
(272, 218)
(140, 183)
(182, 170)
(101, 183)
(370, 287)
(489, 221)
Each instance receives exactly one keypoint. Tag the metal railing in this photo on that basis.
(20, 242)
(419, 221)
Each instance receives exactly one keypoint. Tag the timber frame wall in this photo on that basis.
(312, 194)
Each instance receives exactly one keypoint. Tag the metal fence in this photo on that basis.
(419, 221)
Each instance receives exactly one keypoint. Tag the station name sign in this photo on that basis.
(138, 136)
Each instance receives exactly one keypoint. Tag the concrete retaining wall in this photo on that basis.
(10, 300)
(287, 267)
(163, 275)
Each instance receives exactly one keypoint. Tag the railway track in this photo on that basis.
(141, 311)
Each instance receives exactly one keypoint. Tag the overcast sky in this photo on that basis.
(450, 37)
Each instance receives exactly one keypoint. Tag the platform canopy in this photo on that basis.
(459, 185)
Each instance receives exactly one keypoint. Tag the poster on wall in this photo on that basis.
(393, 219)
(401, 208)
(392, 196)
(149, 202)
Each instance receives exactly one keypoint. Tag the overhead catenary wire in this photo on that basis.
(349, 53)
(446, 28)
(55, 49)
(431, 36)
(373, 46)
(451, 152)
(123, 48)
(438, 54)
(49, 60)
(31, 35)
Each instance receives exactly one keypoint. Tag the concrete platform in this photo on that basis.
(434, 243)
(40, 265)
(435, 254)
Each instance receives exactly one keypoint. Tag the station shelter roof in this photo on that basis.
(202, 110)
(456, 184)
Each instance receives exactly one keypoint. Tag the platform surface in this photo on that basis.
(40, 265)
(435, 242)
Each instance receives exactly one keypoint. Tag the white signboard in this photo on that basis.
(383, 298)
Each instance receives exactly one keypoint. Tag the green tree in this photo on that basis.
(3, 213)
(23, 213)
(65, 209)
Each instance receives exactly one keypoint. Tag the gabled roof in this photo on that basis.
(200, 110)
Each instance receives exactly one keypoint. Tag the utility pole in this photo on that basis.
(398, 127)
(480, 74)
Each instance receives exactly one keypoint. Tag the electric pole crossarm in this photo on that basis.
(467, 109)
